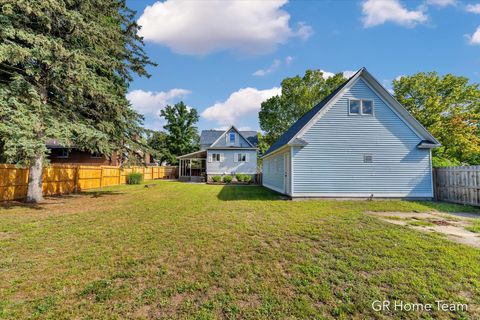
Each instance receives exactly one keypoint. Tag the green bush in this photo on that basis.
(227, 179)
(134, 178)
(216, 178)
(247, 178)
(239, 177)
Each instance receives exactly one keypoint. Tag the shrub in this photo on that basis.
(216, 178)
(247, 178)
(239, 177)
(227, 179)
(134, 178)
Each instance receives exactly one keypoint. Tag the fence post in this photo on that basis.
(75, 178)
(101, 176)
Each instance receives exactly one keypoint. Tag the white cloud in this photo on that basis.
(304, 31)
(202, 27)
(475, 37)
(377, 12)
(348, 73)
(274, 66)
(473, 8)
(241, 103)
(327, 74)
(262, 72)
(441, 3)
(148, 102)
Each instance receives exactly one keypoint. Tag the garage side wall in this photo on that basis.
(273, 172)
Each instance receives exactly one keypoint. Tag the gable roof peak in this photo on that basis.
(208, 137)
(296, 129)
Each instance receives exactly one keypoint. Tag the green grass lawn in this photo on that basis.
(205, 252)
(474, 227)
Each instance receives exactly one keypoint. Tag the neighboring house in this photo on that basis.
(63, 154)
(221, 153)
(358, 142)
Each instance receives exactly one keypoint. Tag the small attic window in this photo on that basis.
(360, 107)
(367, 107)
(231, 137)
(354, 106)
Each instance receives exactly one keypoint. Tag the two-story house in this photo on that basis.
(222, 152)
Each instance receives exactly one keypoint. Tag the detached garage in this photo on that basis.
(358, 142)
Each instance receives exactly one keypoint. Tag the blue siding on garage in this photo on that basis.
(273, 172)
(332, 162)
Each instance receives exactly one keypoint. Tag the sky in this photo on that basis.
(225, 57)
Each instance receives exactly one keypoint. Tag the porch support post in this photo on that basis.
(190, 167)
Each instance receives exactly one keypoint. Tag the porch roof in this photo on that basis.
(201, 154)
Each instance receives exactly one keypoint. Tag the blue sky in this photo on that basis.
(224, 58)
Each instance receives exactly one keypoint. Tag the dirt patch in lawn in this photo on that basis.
(454, 227)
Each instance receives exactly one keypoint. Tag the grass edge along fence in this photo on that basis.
(69, 178)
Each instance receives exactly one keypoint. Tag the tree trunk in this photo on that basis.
(34, 193)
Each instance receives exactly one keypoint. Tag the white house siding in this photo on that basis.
(332, 162)
(228, 165)
(273, 172)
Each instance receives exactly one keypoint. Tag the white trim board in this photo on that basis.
(360, 195)
(279, 150)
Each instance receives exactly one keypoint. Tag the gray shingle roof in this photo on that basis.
(207, 137)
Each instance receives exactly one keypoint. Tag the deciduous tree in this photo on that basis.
(449, 107)
(299, 94)
(157, 141)
(182, 134)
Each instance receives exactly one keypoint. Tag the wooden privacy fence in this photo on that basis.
(457, 184)
(60, 179)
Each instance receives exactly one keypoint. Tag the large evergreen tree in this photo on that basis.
(299, 94)
(65, 66)
(182, 134)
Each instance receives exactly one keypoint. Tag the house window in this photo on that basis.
(231, 137)
(216, 157)
(360, 107)
(96, 155)
(367, 107)
(354, 107)
(241, 157)
(63, 153)
(367, 158)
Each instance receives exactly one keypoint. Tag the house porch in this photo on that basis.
(193, 167)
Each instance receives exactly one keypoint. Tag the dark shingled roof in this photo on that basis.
(297, 126)
(207, 137)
